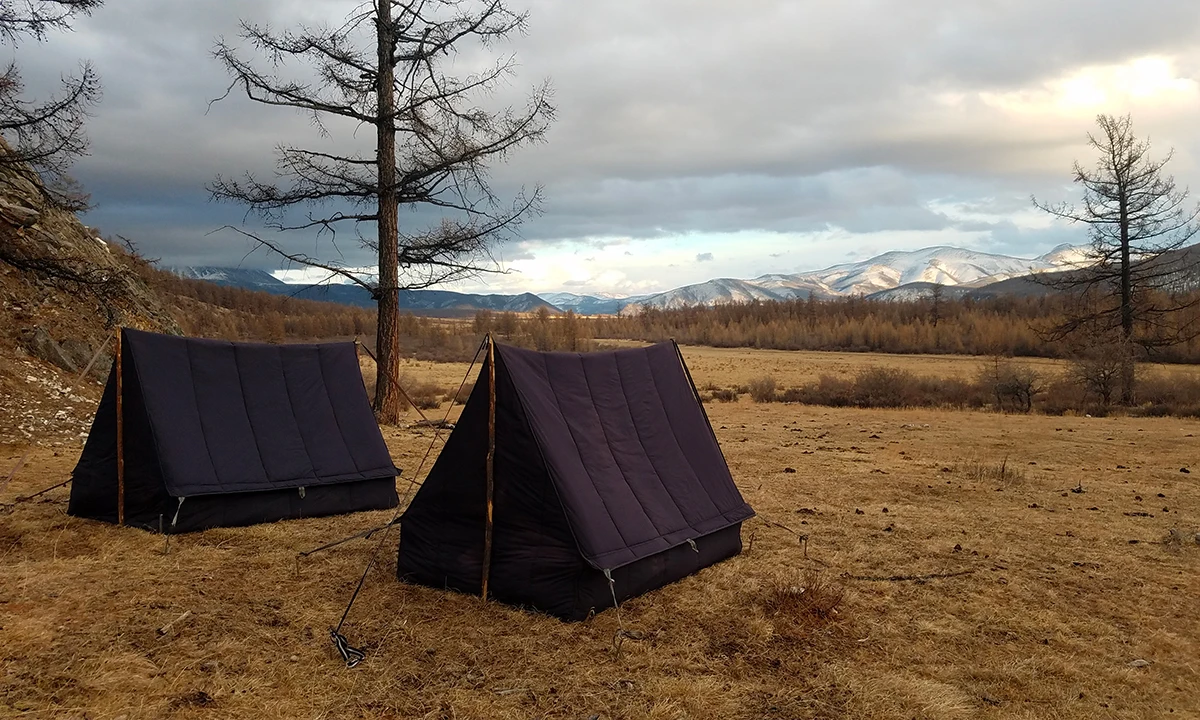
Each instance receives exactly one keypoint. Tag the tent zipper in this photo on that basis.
(301, 492)
(693, 544)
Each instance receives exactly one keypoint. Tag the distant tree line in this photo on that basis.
(204, 309)
(1013, 326)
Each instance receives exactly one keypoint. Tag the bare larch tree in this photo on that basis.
(45, 136)
(389, 66)
(1136, 287)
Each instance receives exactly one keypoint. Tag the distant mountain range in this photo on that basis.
(893, 275)
(898, 275)
(422, 302)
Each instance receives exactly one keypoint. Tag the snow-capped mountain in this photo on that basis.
(234, 277)
(587, 304)
(1067, 256)
(941, 265)
(894, 275)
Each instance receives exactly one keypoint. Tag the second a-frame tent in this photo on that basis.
(607, 482)
(192, 434)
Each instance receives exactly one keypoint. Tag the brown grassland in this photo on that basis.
(977, 583)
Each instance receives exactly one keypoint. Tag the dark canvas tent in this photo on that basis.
(605, 464)
(221, 433)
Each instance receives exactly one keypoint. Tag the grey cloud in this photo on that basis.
(704, 257)
(675, 117)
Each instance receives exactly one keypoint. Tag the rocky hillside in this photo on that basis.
(63, 291)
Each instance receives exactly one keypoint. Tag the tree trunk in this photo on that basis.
(387, 338)
(1127, 371)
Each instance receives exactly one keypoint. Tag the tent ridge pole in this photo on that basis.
(491, 457)
(120, 436)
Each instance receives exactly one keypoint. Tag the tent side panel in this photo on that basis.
(628, 448)
(237, 509)
(441, 531)
(313, 410)
(689, 424)
(655, 571)
(355, 419)
(535, 561)
(227, 435)
(273, 424)
(94, 480)
(164, 370)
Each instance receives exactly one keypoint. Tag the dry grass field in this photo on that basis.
(994, 566)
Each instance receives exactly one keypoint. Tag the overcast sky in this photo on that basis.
(694, 139)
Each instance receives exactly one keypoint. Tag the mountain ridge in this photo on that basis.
(897, 274)
(433, 302)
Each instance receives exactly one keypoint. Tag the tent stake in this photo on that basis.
(120, 439)
(491, 456)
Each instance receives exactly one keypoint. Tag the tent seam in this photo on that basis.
(292, 406)
(679, 445)
(253, 435)
(687, 524)
(608, 446)
(575, 441)
(187, 349)
(333, 411)
(649, 460)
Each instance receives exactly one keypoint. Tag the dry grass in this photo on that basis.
(983, 471)
(965, 595)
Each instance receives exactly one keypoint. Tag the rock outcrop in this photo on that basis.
(63, 291)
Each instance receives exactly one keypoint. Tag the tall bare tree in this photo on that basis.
(45, 136)
(388, 66)
(1137, 286)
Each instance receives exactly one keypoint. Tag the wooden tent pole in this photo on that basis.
(120, 438)
(491, 456)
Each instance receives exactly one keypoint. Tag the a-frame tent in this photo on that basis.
(608, 482)
(210, 433)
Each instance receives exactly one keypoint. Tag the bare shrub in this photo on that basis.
(762, 390)
(424, 394)
(828, 390)
(1062, 396)
(463, 393)
(1011, 385)
(886, 388)
(881, 387)
(725, 395)
(1101, 370)
(791, 395)
(1159, 395)
(991, 471)
(948, 392)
